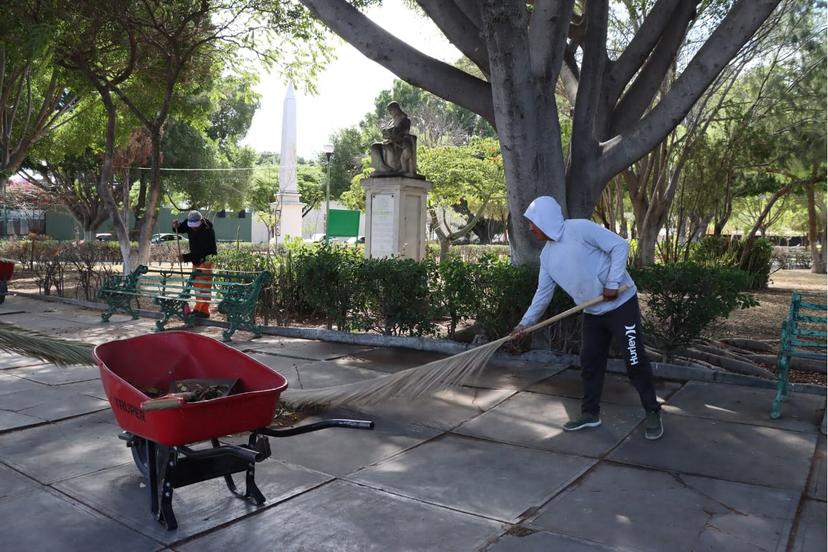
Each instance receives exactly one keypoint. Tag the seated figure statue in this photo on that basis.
(397, 153)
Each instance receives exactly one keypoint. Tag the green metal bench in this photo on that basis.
(803, 336)
(236, 294)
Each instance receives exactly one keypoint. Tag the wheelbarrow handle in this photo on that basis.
(352, 424)
(167, 402)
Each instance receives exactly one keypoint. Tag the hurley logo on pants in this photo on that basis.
(629, 331)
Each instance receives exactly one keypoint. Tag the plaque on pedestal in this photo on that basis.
(395, 209)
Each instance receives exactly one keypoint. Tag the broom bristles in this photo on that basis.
(36, 345)
(410, 384)
(416, 382)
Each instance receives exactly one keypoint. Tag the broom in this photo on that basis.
(36, 345)
(415, 382)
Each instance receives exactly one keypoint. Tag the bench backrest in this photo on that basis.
(234, 286)
(804, 330)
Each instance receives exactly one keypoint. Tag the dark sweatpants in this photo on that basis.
(625, 324)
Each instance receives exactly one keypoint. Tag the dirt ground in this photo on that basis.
(764, 322)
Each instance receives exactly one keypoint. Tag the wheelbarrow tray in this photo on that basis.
(156, 360)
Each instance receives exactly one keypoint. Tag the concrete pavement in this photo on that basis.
(482, 468)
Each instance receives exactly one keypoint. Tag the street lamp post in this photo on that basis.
(328, 149)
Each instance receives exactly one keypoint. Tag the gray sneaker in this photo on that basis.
(653, 428)
(583, 422)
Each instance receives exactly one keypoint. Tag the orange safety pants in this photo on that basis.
(202, 305)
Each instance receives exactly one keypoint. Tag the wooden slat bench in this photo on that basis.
(236, 294)
(803, 336)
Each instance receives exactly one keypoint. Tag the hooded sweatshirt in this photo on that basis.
(581, 257)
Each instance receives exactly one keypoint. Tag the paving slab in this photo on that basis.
(65, 405)
(517, 376)
(93, 388)
(52, 374)
(748, 405)
(306, 349)
(443, 409)
(536, 420)
(391, 359)
(811, 528)
(343, 517)
(11, 360)
(617, 389)
(816, 481)
(121, 493)
(13, 420)
(646, 510)
(324, 373)
(40, 520)
(13, 384)
(13, 483)
(735, 452)
(45, 323)
(340, 451)
(65, 449)
(543, 541)
(479, 477)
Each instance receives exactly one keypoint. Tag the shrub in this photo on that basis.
(686, 298)
(500, 293)
(327, 276)
(455, 291)
(721, 251)
(396, 296)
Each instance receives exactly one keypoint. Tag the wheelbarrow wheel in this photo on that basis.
(140, 454)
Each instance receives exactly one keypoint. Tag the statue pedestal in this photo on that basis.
(395, 208)
(289, 211)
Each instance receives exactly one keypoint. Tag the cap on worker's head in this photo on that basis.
(545, 212)
(194, 219)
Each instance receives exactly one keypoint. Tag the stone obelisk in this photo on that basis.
(288, 205)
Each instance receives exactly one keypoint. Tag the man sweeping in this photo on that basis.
(587, 261)
(202, 238)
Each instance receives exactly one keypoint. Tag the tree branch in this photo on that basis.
(411, 65)
(640, 94)
(459, 30)
(744, 18)
(639, 48)
(548, 29)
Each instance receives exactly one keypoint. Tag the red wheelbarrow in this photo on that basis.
(6, 271)
(160, 438)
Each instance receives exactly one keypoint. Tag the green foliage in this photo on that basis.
(687, 298)
(328, 275)
(395, 296)
(501, 293)
(722, 252)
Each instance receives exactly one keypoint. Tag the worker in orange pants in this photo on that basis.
(202, 238)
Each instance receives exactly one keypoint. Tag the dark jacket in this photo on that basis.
(202, 241)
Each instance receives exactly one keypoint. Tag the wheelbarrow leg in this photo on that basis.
(167, 458)
(252, 491)
(152, 476)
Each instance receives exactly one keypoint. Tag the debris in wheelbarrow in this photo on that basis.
(189, 390)
(160, 439)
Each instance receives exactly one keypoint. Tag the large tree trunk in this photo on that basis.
(526, 118)
(105, 179)
(817, 255)
(151, 211)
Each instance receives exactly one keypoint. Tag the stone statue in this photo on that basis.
(397, 154)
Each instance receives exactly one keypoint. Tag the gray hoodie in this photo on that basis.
(582, 257)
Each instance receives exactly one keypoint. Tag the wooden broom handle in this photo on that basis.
(562, 315)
